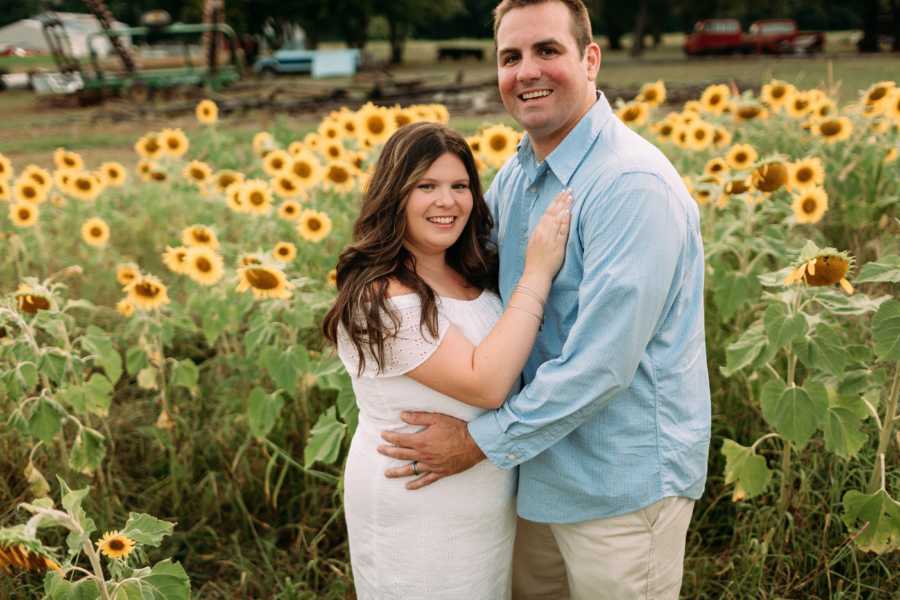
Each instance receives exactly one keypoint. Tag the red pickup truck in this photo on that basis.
(768, 36)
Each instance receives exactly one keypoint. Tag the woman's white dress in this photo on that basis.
(452, 539)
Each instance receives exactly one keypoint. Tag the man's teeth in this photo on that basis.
(537, 94)
(442, 220)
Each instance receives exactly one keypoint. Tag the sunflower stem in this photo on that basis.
(786, 478)
(887, 427)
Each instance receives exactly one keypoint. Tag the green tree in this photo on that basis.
(403, 16)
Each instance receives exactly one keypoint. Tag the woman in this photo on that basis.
(419, 326)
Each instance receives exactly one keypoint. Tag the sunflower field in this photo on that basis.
(174, 424)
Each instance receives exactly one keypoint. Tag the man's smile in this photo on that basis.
(534, 94)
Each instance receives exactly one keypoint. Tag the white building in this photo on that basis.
(28, 34)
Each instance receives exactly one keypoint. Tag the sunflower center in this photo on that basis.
(24, 213)
(631, 114)
(716, 167)
(748, 112)
(497, 143)
(152, 146)
(116, 545)
(147, 290)
(96, 231)
(284, 251)
(277, 163)
(69, 161)
(770, 177)
(289, 209)
(650, 95)
(402, 120)
(375, 124)
(809, 206)
(666, 130)
(29, 192)
(198, 174)
(334, 151)
(714, 99)
(302, 169)
(262, 279)
(830, 128)
(700, 134)
(338, 175)
(200, 236)
(226, 180)
(800, 104)
(804, 174)
(257, 199)
(38, 178)
(740, 157)
(203, 264)
(173, 143)
(314, 224)
(158, 175)
(778, 91)
(877, 94)
(287, 184)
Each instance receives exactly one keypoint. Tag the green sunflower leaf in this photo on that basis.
(743, 352)
(146, 529)
(263, 411)
(745, 468)
(886, 330)
(885, 270)
(842, 420)
(876, 517)
(324, 443)
(793, 413)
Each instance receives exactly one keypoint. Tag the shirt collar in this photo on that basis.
(566, 157)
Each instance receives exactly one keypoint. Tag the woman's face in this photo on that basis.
(438, 207)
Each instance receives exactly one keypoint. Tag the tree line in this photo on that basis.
(355, 22)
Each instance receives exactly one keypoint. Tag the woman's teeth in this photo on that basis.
(442, 220)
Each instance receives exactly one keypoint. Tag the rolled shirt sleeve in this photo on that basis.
(632, 239)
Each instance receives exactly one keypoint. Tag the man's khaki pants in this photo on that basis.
(636, 556)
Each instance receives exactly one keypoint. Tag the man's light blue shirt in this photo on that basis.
(614, 409)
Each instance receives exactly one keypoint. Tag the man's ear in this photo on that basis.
(592, 56)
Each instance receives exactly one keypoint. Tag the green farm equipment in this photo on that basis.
(137, 84)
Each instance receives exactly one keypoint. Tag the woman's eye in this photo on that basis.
(461, 186)
(426, 186)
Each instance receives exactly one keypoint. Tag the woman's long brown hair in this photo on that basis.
(377, 254)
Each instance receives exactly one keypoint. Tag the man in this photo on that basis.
(611, 427)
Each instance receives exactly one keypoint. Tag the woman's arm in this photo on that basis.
(483, 375)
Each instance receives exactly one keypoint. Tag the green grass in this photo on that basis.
(15, 64)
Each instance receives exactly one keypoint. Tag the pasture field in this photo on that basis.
(174, 423)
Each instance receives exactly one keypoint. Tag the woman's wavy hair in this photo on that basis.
(377, 253)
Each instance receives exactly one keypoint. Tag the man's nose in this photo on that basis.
(529, 69)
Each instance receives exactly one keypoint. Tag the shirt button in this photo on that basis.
(511, 456)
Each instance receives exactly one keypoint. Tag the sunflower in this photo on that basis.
(256, 197)
(348, 123)
(147, 292)
(288, 186)
(199, 235)
(810, 205)
(634, 114)
(312, 141)
(144, 168)
(39, 176)
(6, 168)
(124, 307)
(307, 169)
(749, 111)
(85, 186)
(737, 185)
(284, 252)
(148, 146)
(95, 232)
(331, 278)
(715, 98)
(296, 147)
(204, 265)
(824, 109)
(233, 197)
(769, 177)
(115, 172)
(339, 176)
(890, 156)
(806, 173)
(498, 143)
(891, 110)
(653, 93)
(26, 190)
(776, 93)
(799, 104)
(127, 272)
(741, 156)
(173, 258)
(699, 135)
(375, 124)
(694, 107)
(57, 200)
(5, 192)
(23, 214)
(821, 267)
(158, 176)
(289, 210)
(331, 129)
(663, 130)
(263, 143)
(264, 282)
(404, 116)
(224, 178)
(314, 226)
(877, 95)
(115, 545)
(716, 166)
(19, 556)
(197, 172)
(30, 300)
(174, 142)
(277, 162)
(333, 150)
(833, 130)
(207, 112)
(64, 159)
(249, 259)
(721, 137)
(423, 112)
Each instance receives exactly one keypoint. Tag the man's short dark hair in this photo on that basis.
(581, 21)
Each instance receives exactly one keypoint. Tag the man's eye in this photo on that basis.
(509, 59)
(547, 51)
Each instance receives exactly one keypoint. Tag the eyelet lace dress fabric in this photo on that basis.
(451, 540)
